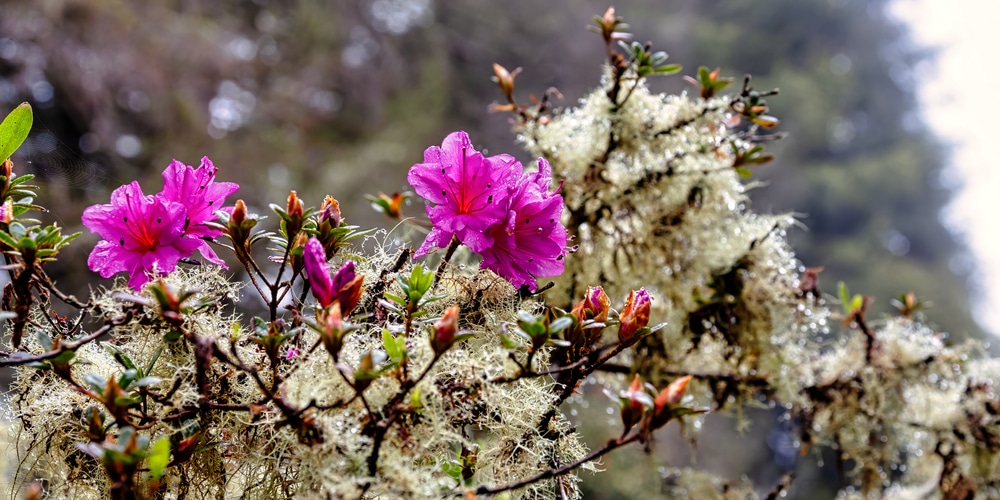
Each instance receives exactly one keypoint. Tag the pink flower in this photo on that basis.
(468, 192)
(201, 197)
(531, 241)
(344, 287)
(142, 234)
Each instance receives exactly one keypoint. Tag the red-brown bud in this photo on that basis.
(238, 215)
(332, 324)
(633, 404)
(505, 79)
(294, 208)
(329, 212)
(445, 331)
(634, 316)
(670, 397)
(594, 306)
(296, 257)
(294, 217)
(7, 170)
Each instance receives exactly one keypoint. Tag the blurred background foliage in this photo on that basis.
(340, 97)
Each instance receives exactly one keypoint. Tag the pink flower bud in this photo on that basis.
(314, 259)
(348, 287)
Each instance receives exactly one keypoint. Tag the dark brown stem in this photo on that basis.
(559, 471)
(527, 373)
(870, 340)
(17, 359)
(378, 290)
(68, 299)
(274, 287)
(393, 411)
(447, 257)
(570, 385)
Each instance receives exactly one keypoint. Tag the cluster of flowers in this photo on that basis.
(492, 206)
(149, 234)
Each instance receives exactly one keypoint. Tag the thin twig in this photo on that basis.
(559, 471)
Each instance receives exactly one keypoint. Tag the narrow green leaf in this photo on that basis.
(507, 342)
(856, 303)
(119, 355)
(152, 361)
(146, 381)
(96, 382)
(668, 69)
(390, 345)
(43, 339)
(845, 297)
(126, 402)
(64, 357)
(6, 239)
(560, 324)
(159, 457)
(559, 342)
(14, 130)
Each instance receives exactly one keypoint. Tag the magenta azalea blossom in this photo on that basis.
(142, 234)
(531, 241)
(469, 192)
(196, 189)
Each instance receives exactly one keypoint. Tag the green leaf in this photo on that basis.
(453, 469)
(668, 69)
(126, 402)
(64, 357)
(845, 298)
(390, 345)
(856, 303)
(126, 378)
(559, 342)
(14, 130)
(560, 324)
(96, 382)
(146, 381)
(6, 239)
(525, 317)
(159, 457)
(508, 343)
(415, 402)
(156, 356)
(119, 355)
(43, 339)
